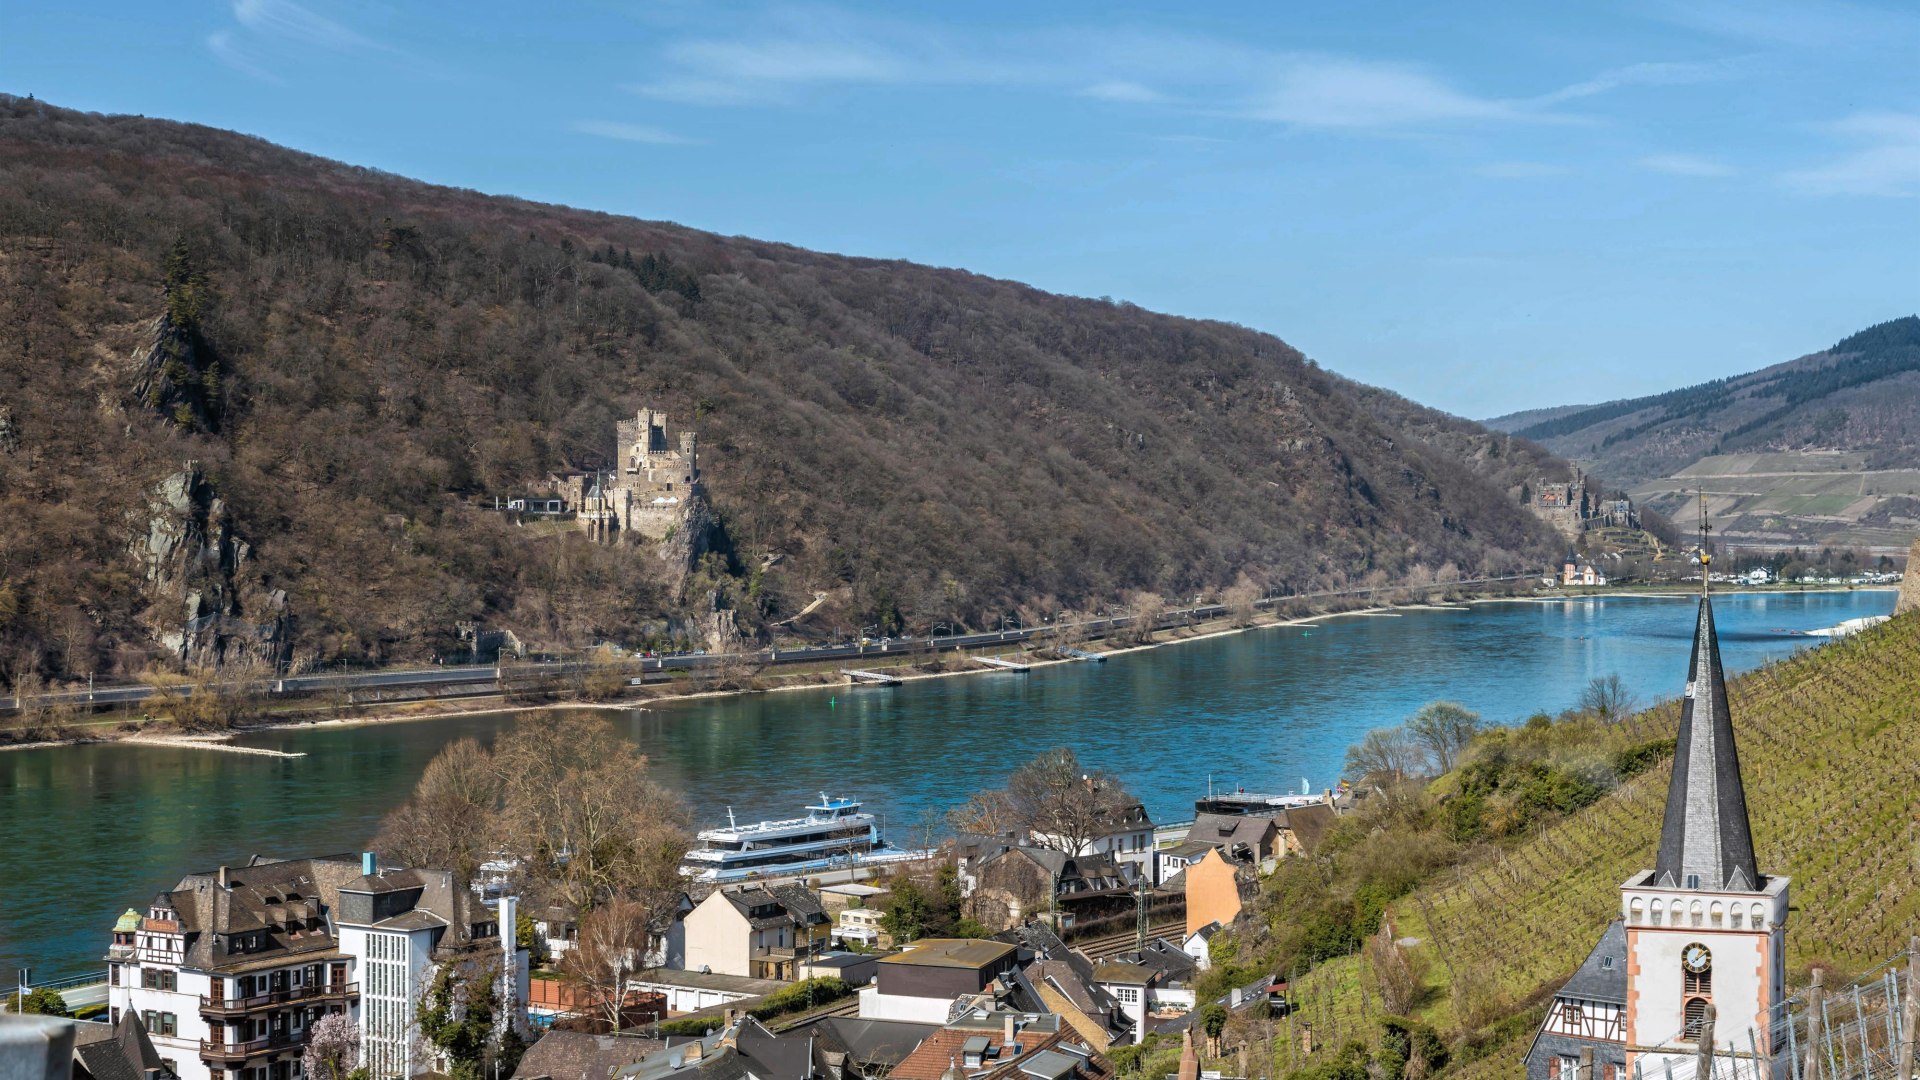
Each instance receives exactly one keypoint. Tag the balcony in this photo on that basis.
(221, 1008)
(231, 1055)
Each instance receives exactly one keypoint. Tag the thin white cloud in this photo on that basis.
(625, 132)
(1333, 92)
(1685, 165)
(785, 54)
(1124, 91)
(1886, 162)
(1664, 73)
(1522, 170)
(221, 44)
(286, 19)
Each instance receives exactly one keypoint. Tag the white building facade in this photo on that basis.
(229, 969)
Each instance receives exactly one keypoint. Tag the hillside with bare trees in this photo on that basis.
(356, 365)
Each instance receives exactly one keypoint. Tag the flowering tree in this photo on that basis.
(333, 1048)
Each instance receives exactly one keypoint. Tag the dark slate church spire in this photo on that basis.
(1705, 841)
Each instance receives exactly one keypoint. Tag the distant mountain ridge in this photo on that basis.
(1825, 448)
(358, 364)
(1771, 409)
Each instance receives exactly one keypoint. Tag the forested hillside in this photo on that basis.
(357, 364)
(1822, 450)
(1860, 395)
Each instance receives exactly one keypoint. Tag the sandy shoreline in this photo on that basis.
(432, 710)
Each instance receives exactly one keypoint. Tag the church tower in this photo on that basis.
(1705, 930)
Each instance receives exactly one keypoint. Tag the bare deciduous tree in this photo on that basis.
(1053, 801)
(1240, 599)
(1398, 972)
(578, 807)
(612, 947)
(448, 821)
(1443, 729)
(1384, 756)
(1607, 698)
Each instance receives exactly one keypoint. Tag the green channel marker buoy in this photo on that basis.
(833, 701)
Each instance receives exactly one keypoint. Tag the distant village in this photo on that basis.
(1075, 947)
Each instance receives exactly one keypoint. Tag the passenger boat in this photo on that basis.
(835, 834)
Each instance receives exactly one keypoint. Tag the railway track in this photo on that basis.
(1110, 945)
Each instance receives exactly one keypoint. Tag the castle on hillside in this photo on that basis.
(1573, 506)
(650, 492)
(1695, 961)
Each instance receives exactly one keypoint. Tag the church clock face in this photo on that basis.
(1696, 957)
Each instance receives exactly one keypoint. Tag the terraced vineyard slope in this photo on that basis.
(1828, 750)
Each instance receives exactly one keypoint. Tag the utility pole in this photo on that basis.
(1703, 1062)
(1816, 1009)
(1909, 1011)
(1140, 914)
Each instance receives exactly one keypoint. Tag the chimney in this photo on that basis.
(223, 877)
(368, 864)
(509, 925)
(1007, 1027)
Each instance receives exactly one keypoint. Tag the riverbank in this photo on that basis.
(904, 665)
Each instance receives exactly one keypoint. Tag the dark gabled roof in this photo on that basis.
(267, 896)
(115, 1051)
(802, 903)
(1096, 872)
(1602, 976)
(1309, 823)
(783, 905)
(569, 1055)
(1166, 958)
(1046, 945)
(1122, 972)
(1225, 830)
(1705, 832)
(883, 1043)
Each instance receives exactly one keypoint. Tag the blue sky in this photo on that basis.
(1483, 206)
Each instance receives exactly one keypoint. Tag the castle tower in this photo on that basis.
(1705, 929)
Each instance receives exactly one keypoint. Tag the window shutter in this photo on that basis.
(1553, 1067)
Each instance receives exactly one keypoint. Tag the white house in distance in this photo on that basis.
(228, 969)
(758, 932)
(1128, 839)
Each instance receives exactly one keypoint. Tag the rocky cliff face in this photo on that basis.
(207, 606)
(682, 548)
(179, 377)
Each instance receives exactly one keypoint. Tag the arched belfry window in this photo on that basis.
(1696, 1016)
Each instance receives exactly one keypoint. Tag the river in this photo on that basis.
(89, 831)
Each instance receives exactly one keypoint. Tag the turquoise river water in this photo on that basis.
(86, 832)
